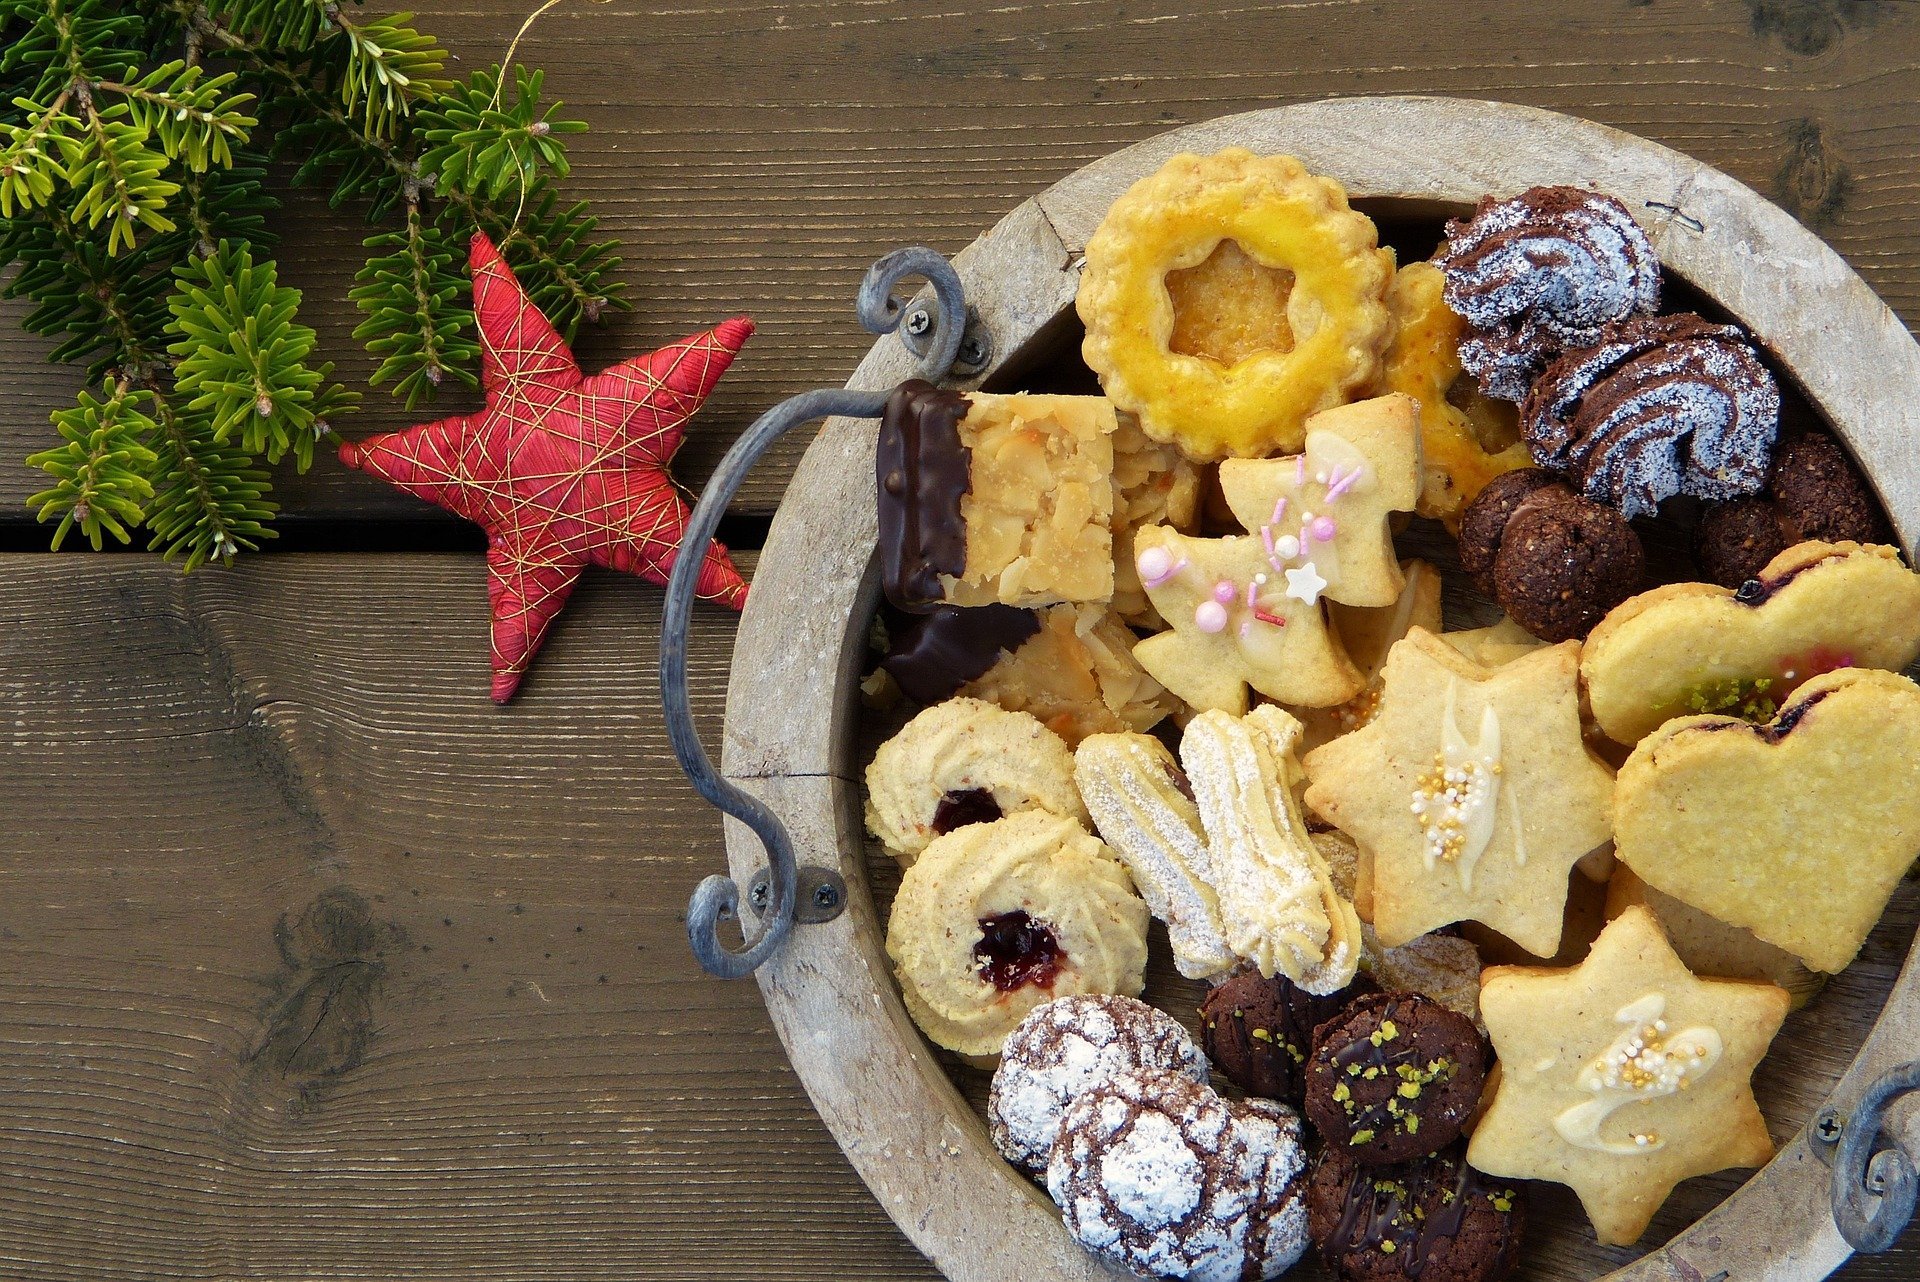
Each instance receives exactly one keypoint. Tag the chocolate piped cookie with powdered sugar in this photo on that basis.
(1542, 273)
(1659, 406)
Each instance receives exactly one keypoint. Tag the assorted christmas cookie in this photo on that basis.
(1554, 561)
(1160, 1175)
(1623, 1075)
(1394, 1076)
(1153, 484)
(1700, 648)
(1142, 804)
(1228, 298)
(1063, 1049)
(995, 918)
(1708, 946)
(1258, 1031)
(1433, 1219)
(1466, 437)
(930, 656)
(1471, 790)
(1277, 898)
(1659, 406)
(1818, 808)
(964, 762)
(1540, 273)
(1077, 675)
(1368, 634)
(1813, 492)
(988, 499)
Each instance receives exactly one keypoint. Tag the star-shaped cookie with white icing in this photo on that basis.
(1236, 617)
(1471, 789)
(1328, 508)
(1624, 1075)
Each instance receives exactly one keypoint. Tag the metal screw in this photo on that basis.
(972, 351)
(759, 894)
(919, 321)
(1828, 1126)
(826, 897)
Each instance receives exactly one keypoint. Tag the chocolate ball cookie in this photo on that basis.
(1258, 1031)
(1065, 1048)
(1394, 1076)
(1813, 492)
(1554, 561)
(1434, 1219)
(1162, 1176)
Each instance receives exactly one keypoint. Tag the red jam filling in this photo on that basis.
(964, 806)
(1015, 950)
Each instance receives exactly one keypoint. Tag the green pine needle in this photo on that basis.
(418, 319)
(489, 148)
(390, 66)
(100, 475)
(193, 115)
(119, 180)
(210, 498)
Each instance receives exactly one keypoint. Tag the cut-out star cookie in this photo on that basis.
(1471, 790)
(1624, 1075)
(1237, 618)
(1328, 507)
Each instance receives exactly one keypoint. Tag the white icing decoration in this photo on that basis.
(1456, 802)
(1646, 1062)
(1304, 583)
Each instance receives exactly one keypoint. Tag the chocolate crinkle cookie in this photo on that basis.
(1434, 1219)
(1066, 1047)
(1258, 1031)
(1554, 560)
(1658, 406)
(1162, 1176)
(1813, 492)
(1540, 273)
(1393, 1077)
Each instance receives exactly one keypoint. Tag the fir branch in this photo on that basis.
(100, 474)
(229, 203)
(240, 356)
(418, 321)
(210, 499)
(30, 161)
(194, 118)
(117, 177)
(111, 308)
(480, 146)
(567, 274)
(389, 66)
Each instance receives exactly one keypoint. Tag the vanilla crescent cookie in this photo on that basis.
(1277, 897)
(1139, 799)
(962, 762)
(1229, 297)
(995, 918)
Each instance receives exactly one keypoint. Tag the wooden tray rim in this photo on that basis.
(830, 992)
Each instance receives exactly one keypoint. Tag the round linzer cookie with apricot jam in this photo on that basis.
(1394, 1076)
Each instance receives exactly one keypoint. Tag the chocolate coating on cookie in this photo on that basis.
(1164, 1177)
(1813, 492)
(932, 655)
(1258, 1031)
(1065, 1048)
(1554, 561)
(1434, 1219)
(923, 471)
(1540, 273)
(1658, 406)
(1394, 1076)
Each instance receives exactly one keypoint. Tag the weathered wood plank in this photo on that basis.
(755, 158)
(313, 963)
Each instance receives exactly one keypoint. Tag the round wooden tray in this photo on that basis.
(793, 707)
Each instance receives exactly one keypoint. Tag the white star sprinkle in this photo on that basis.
(1305, 584)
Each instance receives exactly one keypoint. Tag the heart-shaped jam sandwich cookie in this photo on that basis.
(1328, 507)
(1471, 790)
(1798, 828)
(1623, 1075)
(987, 498)
(1699, 648)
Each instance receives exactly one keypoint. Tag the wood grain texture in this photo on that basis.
(754, 157)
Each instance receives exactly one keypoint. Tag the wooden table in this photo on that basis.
(313, 963)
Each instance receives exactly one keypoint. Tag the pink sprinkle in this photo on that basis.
(1250, 588)
(1154, 562)
(1265, 617)
(1246, 626)
(1266, 536)
(1322, 529)
(1224, 592)
(1210, 616)
(1279, 509)
(1342, 484)
(1158, 579)
(1300, 470)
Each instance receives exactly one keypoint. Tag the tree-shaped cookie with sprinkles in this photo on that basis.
(1250, 609)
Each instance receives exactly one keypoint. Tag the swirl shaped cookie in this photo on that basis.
(961, 762)
(995, 918)
(1541, 273)
(1139, 799)
(1657, 407)
(1164, 1177)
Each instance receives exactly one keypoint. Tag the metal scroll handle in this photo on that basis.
(934, 335)
(1874, 1187)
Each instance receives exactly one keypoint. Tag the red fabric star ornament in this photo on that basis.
(561, 470)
